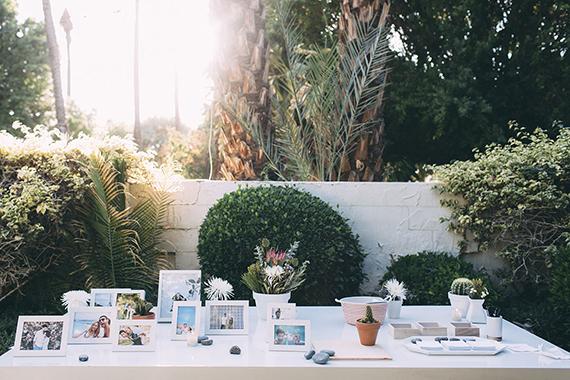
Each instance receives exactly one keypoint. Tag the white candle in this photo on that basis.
(192, 339)
(456, 315)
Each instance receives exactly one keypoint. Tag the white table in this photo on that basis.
(175, 360)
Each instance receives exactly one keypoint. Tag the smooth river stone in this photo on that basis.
(309, 354)
(321, 358)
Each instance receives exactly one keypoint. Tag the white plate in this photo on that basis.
(493, 347)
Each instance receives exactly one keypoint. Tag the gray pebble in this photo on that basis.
(321, 358)
(83, 358)
(202, 337)
(235, 350)
(309, 354)
(207, 342)
(330, 352)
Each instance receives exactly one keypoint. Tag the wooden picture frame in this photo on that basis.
(289, 335)
(134, 335)
(177, 285)
(185, 319)
(227, 317)
(41, 335)
(90, 325)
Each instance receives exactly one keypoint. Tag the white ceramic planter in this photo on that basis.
(459, 302)
(261, 301)
(476, 313)
(394, 309)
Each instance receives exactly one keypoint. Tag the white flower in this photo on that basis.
(275, 271)
(396, 289)
(75, 298)
(217, 289)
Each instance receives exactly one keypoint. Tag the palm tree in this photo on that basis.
(365, 164)
(241, 76)
(55, 68)
(67, 25)
(137, 131)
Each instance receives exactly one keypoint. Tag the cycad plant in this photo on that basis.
(321, 97)
(117, 244)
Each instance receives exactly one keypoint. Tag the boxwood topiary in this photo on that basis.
(283, 214)
(428, 276)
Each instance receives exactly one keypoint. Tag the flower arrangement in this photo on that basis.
(478, 290)
(274, 272)
(218, 290)
(396, 289)
(75, 298)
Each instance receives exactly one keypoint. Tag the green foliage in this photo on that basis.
(143, 307)
(428, 276)
(468, 67)
(516, 195)
(460, 286)
(282, 214)
(560, 279)
(369, 317)
(24, 70)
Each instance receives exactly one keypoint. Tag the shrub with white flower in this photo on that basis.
(275, 272)
(396, 289)
(217, 289)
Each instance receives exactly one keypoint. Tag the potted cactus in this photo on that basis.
(143, 310)
(368, 328)
(459, 295)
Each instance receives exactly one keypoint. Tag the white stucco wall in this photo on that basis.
(391, 219)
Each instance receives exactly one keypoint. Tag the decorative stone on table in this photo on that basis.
(235, 350)
(202, 337)
(321, 358)
(207, 342)
(83, 358)
(330, 352)
(309, 354)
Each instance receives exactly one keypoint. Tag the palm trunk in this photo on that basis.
(55, 68)
(67, 25)
(137, 131)
(366, 164)
(241, 76)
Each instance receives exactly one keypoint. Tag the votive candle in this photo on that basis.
(456, 315)
(192, 339)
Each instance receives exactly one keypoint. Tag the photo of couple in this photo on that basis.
(134, 335)
(41, 336)
(289, 335)
(91, 325)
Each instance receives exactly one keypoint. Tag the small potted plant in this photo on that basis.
(459, 295)
(274, 275)
(368, 328)
(477, 294)
(143, 310)
(397, 293)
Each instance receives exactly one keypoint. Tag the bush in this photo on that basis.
(233, 226)
(428, 276)
(560, 279)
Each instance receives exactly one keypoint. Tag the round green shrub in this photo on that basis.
(282, 214)
(429, 275)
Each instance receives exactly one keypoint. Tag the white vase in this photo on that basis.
(261, 301)
(459, 302)
(495, 328)
(476, 313)
(394, 309)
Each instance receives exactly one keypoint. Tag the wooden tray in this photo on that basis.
(401, 330)
(351, 350)
(432, 328)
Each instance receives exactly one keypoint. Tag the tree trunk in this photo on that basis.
(55, 68)
(366, 163)
(137, 131)
(241, 75)
(67, 25)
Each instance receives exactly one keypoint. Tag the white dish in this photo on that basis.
(469, 345)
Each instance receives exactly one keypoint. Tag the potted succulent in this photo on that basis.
(459, 295)
(143, 310)
(477, 294)
(368, 328)
(274, 275)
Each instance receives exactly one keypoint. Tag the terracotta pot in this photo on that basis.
(367, 333)
(149, 316)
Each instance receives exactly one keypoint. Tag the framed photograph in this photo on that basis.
(292, 335)
(105, 297)
(41, 335)
(134, 335)
(176, 285)
(185, 319)
(90, 325)
(281, 311)
(125, 303)
(227, 317)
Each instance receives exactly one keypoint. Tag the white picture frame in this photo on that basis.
(125, 303)
(41, 335)
(105, 297)
(290, 335)
(185, 319)
(281, 311)
(177, 285)
(134, 335)
(90, 325)
(227, 317)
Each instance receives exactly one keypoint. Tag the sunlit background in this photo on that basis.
(174, 37)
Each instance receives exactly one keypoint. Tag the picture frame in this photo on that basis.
(41, 335)
(227, 317)
(281, 311)
(134, 335)
(125, 303)
(90, 325)
(177, 285)
(290, 335)
(105, 297)
(185, 319)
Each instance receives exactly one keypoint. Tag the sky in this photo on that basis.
(175, 36)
